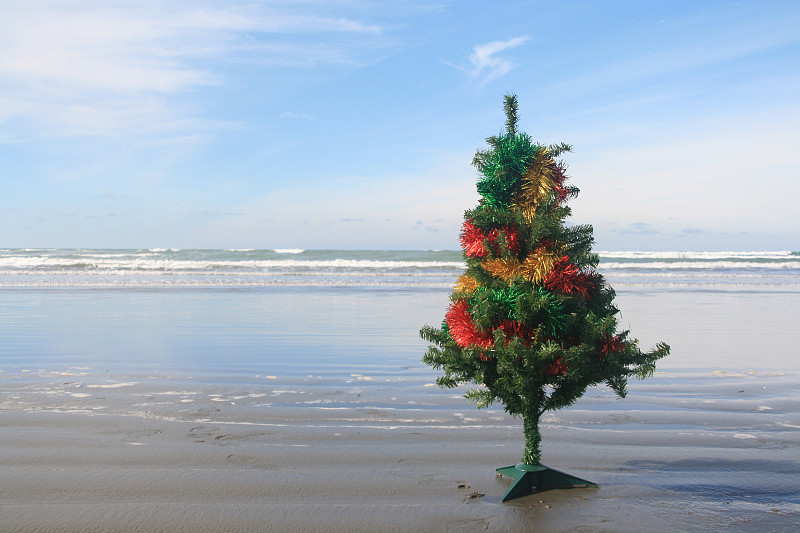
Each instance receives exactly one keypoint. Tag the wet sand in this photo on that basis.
(208, 411)
(91, 452)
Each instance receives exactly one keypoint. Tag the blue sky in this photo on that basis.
(352, 124)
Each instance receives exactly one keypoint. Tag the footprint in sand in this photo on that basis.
(203, 431)
(134, 436)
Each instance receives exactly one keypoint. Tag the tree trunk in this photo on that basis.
(533, 439)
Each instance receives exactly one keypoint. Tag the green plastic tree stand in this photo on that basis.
(536, 478)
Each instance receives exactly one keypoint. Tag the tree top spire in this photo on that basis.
(510, 106)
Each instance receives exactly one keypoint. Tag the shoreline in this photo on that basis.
(169, 455)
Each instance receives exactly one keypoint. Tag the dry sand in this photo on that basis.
(105, 455)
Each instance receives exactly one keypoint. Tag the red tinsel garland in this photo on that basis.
(462, 329)
(611, 345)
(557, 367)
(512, 328)
(512, 239)
(565, 277)
(473, 240)
(559, 177)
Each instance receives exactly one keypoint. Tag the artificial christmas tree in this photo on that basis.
(531, 321)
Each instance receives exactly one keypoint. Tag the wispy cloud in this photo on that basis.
(486, 63)
(92, 67)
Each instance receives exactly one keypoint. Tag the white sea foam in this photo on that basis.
(696, 255)
(122, 264)
(696, 265)
(299, 267)
(289, 250)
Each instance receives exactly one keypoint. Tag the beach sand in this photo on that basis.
(94, 453)
(207, 411)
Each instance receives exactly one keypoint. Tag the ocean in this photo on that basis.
(222, 310)
(351, 268)
(328, 339)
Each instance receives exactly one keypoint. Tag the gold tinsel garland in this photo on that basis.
(537, 184)
(535, 267)
(466, 285)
